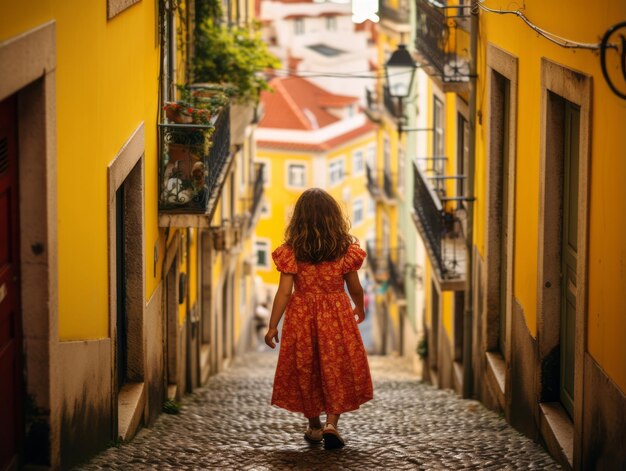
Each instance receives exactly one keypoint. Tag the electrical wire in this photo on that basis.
(558, 40)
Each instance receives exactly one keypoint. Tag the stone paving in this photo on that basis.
(228, 425)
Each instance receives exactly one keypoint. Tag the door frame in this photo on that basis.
(575, 87)
(28, 68)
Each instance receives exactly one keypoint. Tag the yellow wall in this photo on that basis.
(585, 22)
(106, 85)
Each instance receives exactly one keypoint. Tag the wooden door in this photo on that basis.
(569, 255)
(10, 315)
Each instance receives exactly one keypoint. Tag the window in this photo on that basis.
(331, 23)
(357, 212)
(371, 206)
(438, 138)
(462, 154)
(387, 155)
(262, 249)
(371, 157)
(298, 26)
(296, 175)
(336, 171)
(265, 209)
(266, 171)
(358, 164)
(400, 179)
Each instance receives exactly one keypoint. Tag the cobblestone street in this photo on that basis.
(228, 424)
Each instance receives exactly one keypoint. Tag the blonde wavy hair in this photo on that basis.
(318, 230)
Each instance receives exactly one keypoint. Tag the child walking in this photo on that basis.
(322, 364)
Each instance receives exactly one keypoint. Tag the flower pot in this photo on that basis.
(174, 115)
(183, 157)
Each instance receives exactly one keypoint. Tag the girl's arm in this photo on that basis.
(356, 293)
(285, 286)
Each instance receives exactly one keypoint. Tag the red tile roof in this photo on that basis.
(322, 146)
(299, 104)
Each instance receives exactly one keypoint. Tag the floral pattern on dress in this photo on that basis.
(322, 364)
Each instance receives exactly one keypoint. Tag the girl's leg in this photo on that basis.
(314, 422)
(332, 419)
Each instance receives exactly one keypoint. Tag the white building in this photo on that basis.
(318, 40)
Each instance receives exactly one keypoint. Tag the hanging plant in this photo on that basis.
(236, 56)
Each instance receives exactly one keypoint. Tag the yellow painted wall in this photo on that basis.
(106, 85)
(581, 21)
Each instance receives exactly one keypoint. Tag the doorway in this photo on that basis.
(11, 391)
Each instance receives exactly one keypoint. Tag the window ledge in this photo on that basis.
(557, 430)
(496, 376)
(130, 405)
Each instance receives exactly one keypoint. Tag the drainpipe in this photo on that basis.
(468, 315)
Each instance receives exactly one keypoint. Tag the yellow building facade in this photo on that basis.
(119, 304)
(541, 182)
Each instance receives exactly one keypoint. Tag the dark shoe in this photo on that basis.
(332, 439)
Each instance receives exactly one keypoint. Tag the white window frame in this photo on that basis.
(331, 23)
(268, 255)
(266, 209)
(341, 162)
(358, 203)
(358, 162)
(288, 182)
(298, 26)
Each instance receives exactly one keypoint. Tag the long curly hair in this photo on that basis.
(318, 230)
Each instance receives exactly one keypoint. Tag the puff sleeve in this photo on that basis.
(285, 260)
(353, 259)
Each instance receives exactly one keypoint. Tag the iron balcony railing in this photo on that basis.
(392, 105)
(388, 185)
(373, 106)
(395, 263)
(429, 217)
(193, 156)
(397, 14)
(372, 184)
(443, 39)
(257, 190)
(377, 261)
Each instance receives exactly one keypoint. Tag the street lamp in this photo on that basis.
(399, 74)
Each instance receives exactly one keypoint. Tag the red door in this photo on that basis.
(10, 318)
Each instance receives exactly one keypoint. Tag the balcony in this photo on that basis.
(392, 105)
(395, 264)
(372, 184)
(372, 110)
(257, 195)
(377, 262)
(440, 230)
(395, 16)
(442, 41)
(195, 159)
(388, 186)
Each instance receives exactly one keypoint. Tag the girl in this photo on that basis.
(322, 364)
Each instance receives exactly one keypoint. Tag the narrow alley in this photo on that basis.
(228, 424)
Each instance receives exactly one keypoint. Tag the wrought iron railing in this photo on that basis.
(388, 185)
(372, 184)
(442, 38)
(397, 14)
(257, 191)
(430, 214)
(395, 264)
(391, 104)
(376, 261)
(192, 158)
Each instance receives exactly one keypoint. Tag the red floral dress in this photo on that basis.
(322, 364)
